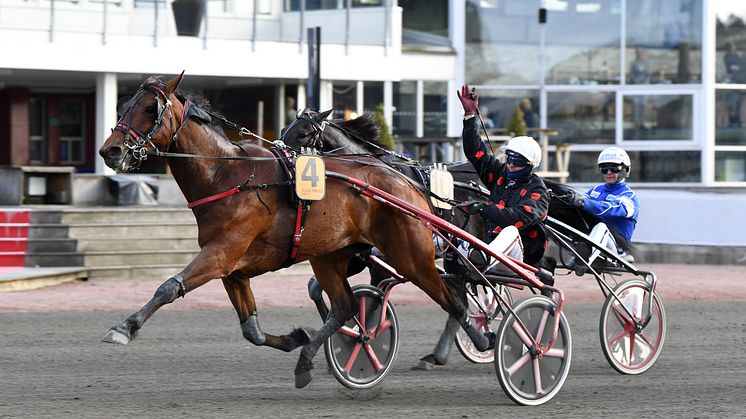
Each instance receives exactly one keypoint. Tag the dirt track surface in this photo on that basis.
(288, 289)
(190, 359)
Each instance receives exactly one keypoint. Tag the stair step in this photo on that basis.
(14, 216)
(138, 243)
(13, 244)
(47, 245)
(135, 271)
(124, 231)
(14, 229)
(12, 258)
(123, 215)
(148, 257)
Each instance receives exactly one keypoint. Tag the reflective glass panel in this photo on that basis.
(405, 108)
(498, 108)
(730, 166)
(421, 19)
(664, 41)
(582, 42)
(731, 41)
(730, 115)
(658, 117)
(435, 117)
(647, 166)
(582, 117)
(344, 99)
(502, 42)
(372, 96)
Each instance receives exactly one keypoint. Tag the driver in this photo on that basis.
(518, 204)
(613, 202)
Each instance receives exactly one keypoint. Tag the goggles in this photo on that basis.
(515, 159)
(613, 169)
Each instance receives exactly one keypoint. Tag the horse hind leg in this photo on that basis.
(330, 271)
(238, 287)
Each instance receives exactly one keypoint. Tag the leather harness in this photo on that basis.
(287, 162)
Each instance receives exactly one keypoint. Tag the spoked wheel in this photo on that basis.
(531, 379)
(484, 321)
(629, 350)
(363, 351)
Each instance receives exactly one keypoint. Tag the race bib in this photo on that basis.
(310, 178)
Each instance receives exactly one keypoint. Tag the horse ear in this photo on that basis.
(323, 115)
(174, 83)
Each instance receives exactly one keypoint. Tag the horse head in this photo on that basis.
(313, 129)
(147, 124)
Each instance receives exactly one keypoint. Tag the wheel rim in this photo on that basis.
(486, 321)
(525, 378)
(360, 360)
(628, 350)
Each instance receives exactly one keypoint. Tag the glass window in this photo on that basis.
(502, 42)
(582, 117)
(368, 3)
(730, 166)
(731, 41)
(71, 128)
(730, 112)
(588, 54)
(658, 117)
(405, 108)
(498, 106)
(294, 5)
(344, 99)
(372, 95)
(664, 41)
(424, 17)
(435, 116)
(37, 129)
(647, 166)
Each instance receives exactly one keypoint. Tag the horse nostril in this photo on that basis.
(111, 153)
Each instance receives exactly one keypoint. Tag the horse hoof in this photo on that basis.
(304, 335)
(114, 336)
(303, 379)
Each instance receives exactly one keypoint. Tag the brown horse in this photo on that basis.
(243, 235)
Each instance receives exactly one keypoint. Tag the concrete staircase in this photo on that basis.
(120, 242)
(133, 242)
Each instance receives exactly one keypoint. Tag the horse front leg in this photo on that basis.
(330, 271)
(238, 287)
(199, 272)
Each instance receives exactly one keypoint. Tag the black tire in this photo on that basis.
(484, 322)
(630, 351)
(359, 361)
(516, 367)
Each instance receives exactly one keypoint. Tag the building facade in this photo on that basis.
(666, 80)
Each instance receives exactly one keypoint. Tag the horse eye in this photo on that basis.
(150, 110)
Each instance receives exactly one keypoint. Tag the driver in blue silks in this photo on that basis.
(613, 202)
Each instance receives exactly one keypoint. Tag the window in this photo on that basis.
(72, 126)
(372, 96)
(730, 115)
(582, 117)
(647, 166)
(498, 106)
(435, 116)
(664, 41)
(37, 131)
(344, 99)
(658, 117)
(588, 55)
(730, 166)
(405, 108)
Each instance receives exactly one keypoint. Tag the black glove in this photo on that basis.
(577, 200)
(475, 208)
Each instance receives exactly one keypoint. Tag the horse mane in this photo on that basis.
(363, 130)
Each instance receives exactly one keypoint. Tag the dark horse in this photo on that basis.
(245, 234)
(357, 137)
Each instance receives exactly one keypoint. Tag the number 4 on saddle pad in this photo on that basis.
(310, 178)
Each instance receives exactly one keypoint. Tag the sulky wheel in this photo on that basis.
(529, 378)
(485, 321)
(363, 351)
(630, 349)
